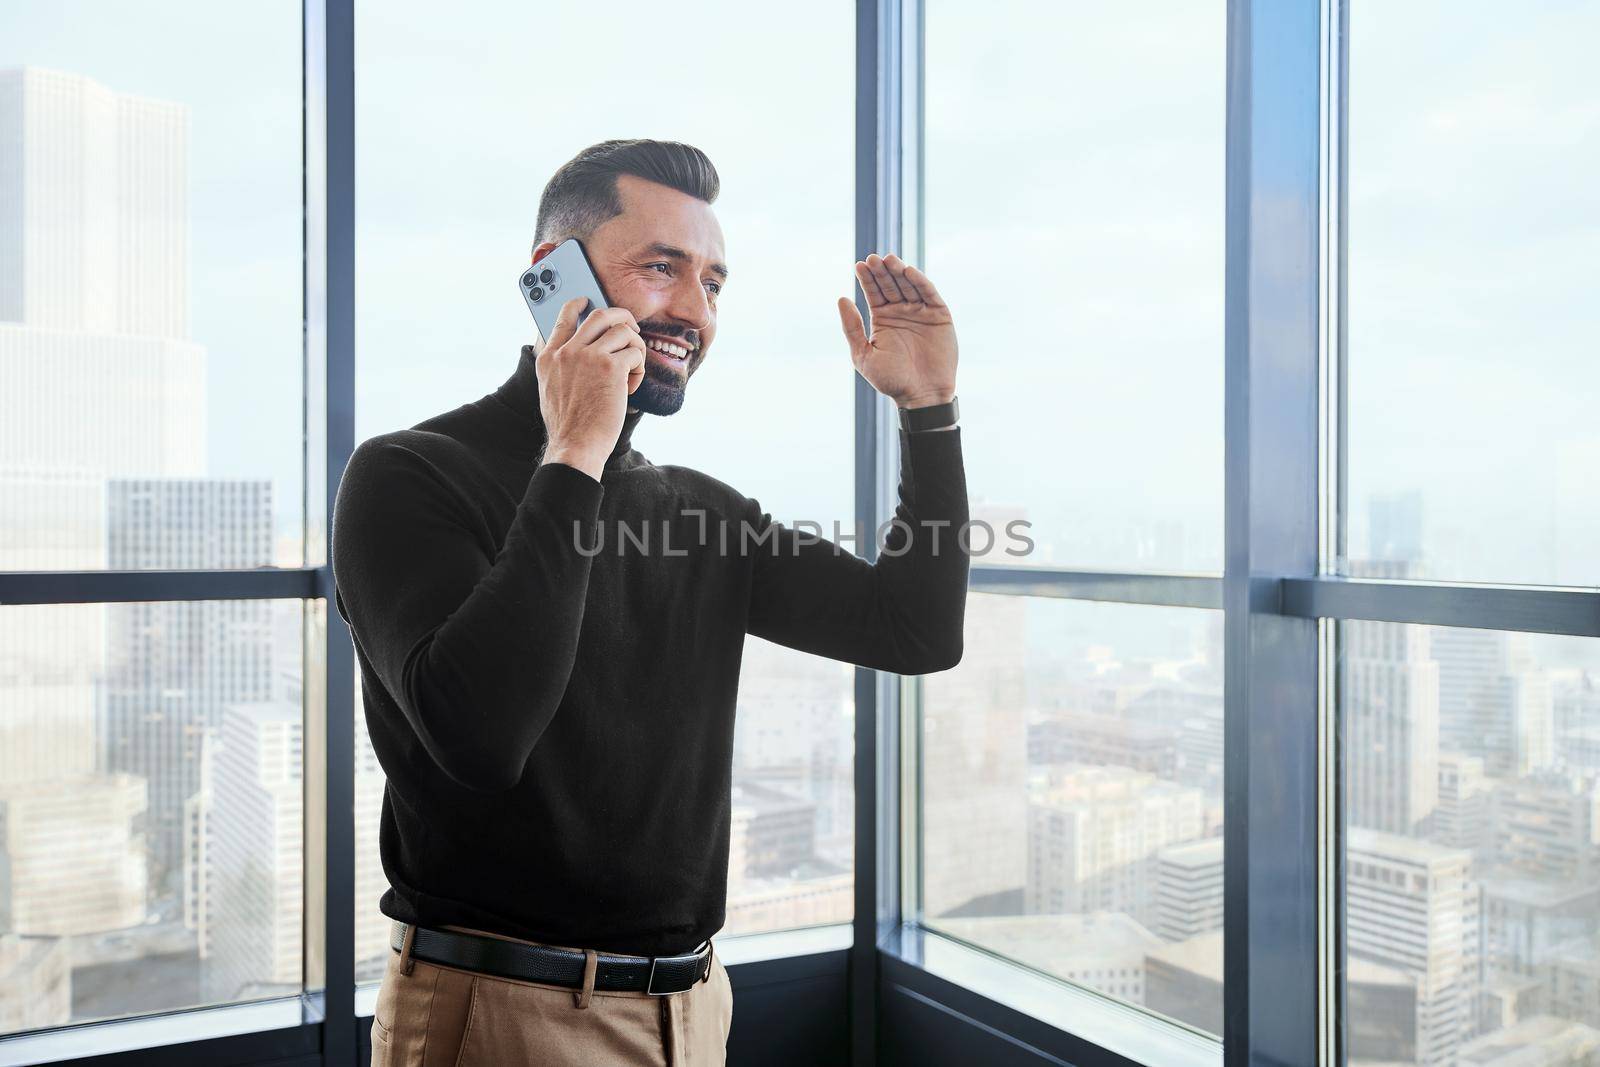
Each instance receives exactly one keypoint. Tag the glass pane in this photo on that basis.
(1474, 234)
(1074, 213)
(449, 208)
(1472, 858)
(1072, 797)
(151, 807)
(150, 286)
(791, 859)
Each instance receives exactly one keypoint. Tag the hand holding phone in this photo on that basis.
(592, 360)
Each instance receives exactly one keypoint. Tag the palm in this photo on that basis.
(911, 353)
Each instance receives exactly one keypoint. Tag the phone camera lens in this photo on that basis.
(537, 293)
(547, 276)
(528, 278)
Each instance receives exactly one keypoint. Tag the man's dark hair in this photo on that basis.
(582, 194)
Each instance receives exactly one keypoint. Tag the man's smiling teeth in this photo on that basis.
(667, 348)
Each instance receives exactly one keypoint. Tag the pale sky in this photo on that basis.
(1074, 223)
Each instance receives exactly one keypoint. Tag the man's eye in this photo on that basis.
(663, 266)
(716, 287)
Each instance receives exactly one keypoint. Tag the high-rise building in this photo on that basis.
(1189, 889)
(1494, 701)
(98, 380)
(1094, 834)
(253, 904)
(1389, 686)
(172, 665)
(1462, 819)
(1412, 906)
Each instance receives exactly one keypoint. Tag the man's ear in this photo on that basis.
(542, 249)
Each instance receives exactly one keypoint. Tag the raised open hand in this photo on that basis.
(911, 355)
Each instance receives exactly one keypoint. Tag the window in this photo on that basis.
(1472, 446)
(151, 808)
(1472, 798)
(150, 288)
(1358, 239)
(1471, 795)
(1073, 184)
(151, 774)
(1071, 810)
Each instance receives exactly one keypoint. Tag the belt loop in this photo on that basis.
(711, 951)
(590, 962)
(406, 961)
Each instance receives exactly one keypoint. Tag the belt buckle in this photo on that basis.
(650, 985)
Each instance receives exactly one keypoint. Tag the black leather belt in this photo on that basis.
(656, 975)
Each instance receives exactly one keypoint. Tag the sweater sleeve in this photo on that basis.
(475, 648)
(903, 613)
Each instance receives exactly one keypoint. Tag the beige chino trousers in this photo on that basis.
(428, 1015)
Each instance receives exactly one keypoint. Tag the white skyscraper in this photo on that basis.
(1494, 701)
(95, 207)
(98, 378)
(1411, 905)
(1391, 718)
(1389, 684)
(98, 381)
(254, 883)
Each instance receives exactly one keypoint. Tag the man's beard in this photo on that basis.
(660, 391)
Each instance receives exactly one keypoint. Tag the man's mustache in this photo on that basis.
(690, 338)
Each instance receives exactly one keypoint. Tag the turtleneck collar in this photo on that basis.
(520, 395)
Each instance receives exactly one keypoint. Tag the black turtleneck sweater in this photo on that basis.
(556, 724)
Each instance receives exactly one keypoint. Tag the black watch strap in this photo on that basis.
(932, 417)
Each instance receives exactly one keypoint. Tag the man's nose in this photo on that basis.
(691, 306)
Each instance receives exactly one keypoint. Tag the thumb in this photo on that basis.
(855, 330)
(566, 323)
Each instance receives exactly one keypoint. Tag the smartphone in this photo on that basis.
(557, 278)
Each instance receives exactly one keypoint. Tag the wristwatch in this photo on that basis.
(932, 417)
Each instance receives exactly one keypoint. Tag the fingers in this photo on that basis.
(886, 279)
(891, 280)
(634, 361)
(924, 287)
(623, 343)
(869, 285)
(601, 321)
(566, 323)
(899, 271)
(855, 331)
